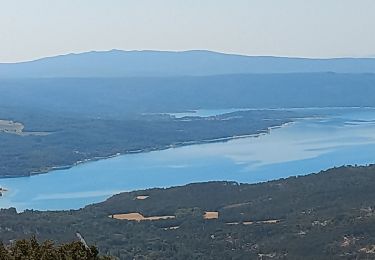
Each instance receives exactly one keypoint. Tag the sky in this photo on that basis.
(297, 28)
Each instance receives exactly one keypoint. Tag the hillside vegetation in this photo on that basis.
(33, 250)
(330, 215)
(78, 139)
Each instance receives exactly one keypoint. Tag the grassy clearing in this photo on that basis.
(211, 215)
(135, 216)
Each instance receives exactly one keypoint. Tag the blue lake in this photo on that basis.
(346, 136)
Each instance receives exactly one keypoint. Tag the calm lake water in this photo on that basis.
(347, 136)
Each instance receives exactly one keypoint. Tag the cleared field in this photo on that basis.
(142, 197)
(135, 216)
(211, 215)
(11, 127)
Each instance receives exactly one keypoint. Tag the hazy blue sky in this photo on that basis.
(318, 28)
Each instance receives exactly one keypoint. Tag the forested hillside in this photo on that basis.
(330, 215)
(63, 141)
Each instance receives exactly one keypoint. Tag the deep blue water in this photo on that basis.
(347, 136)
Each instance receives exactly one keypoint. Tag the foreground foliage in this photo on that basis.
(33, 250)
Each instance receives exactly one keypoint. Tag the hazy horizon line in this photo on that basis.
(188, 50)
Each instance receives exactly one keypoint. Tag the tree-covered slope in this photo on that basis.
(330, 215)
(67, 140)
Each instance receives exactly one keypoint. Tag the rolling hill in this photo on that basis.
(117, 63)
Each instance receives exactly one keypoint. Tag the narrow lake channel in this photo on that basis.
(302, 147)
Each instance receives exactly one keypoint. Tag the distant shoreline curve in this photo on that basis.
(265, 131)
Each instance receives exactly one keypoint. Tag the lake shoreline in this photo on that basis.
(288, 147)
(47, 170)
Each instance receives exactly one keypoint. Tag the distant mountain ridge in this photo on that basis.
(118, 63)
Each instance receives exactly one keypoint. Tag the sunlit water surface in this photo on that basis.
(302, 147)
